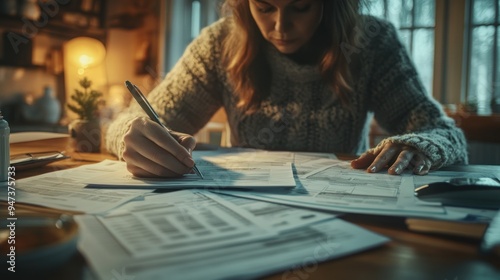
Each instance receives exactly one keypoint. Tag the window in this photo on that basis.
(195, 18)
(187, 18)
(415, 20)
(455, 45)
(483, 73)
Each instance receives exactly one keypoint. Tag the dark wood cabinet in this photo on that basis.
(32, 39)
(61, 20)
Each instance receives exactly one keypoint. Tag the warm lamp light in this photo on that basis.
(85, 52)
(84, 57)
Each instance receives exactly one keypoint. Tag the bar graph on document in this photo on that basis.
(167, 224)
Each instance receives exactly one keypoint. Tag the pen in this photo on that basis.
(143, 102)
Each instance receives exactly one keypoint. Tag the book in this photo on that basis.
(469, 229)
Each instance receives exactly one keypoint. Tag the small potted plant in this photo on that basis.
(469, 107)
(86, 130)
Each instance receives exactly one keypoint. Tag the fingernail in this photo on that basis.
(373, 169)
(419, 169)
(397, 170)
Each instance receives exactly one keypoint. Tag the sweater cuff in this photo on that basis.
(425, 145)
(114, 138)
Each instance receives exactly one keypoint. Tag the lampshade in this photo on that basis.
(85, 52)
(84, 58)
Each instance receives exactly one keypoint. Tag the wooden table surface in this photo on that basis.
(409, 255)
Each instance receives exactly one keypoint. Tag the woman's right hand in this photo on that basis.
(151, 151)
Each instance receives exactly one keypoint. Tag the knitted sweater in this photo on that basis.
(301, 112)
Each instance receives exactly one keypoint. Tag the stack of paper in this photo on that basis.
(67, 190)
(195, 234)
(332, 185)
(235, 223)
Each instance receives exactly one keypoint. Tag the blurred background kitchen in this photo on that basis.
(47, 46)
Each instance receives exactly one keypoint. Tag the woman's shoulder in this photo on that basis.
(218, 29)
(373, 21)
(375, 27)
(376, 34)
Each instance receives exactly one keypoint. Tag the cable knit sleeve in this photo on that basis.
(403, 108)
(188, 96)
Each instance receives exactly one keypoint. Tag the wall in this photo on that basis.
(133, 53)
(27, 81)
(124, 46)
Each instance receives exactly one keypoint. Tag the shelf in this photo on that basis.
(26, 66)
(54, 27)
(39, 127)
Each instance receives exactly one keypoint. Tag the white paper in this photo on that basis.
(277, 216)
(220, 170)
(66, 190)
(181, 221)
(334, 186)
(297, 243)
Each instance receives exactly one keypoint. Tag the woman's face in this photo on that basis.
(287, 24)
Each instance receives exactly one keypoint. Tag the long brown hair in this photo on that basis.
(245, 62)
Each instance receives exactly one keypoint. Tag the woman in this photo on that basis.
(298, 75)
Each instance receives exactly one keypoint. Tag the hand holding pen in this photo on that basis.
(152, 149)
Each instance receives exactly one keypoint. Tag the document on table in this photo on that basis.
(65, 190)
(180, 221)
(173, 218)
(330, 184)
(249, 170)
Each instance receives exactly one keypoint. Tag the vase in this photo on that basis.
(85, 136)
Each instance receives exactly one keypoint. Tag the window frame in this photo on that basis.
(452, 30)
(449, 85)
(412, 30)
(470, 25)
(453, 46)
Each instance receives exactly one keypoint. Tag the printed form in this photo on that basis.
(330, 184)
(170, 227)
(221, 170)
(181, 221)
(66, 190)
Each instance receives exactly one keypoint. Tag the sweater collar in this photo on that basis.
(283, 66)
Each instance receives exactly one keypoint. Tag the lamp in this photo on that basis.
(85, 52)
(84, 57)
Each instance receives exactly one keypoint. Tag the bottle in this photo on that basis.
(48, 106)
(4, 149)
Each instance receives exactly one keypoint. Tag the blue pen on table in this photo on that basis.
(143, 102)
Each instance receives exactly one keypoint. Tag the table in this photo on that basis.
(409, 255)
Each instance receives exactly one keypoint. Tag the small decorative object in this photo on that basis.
(45, 109)
(86, 130)
(469, 107)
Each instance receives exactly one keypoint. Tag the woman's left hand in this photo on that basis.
(396, 157)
